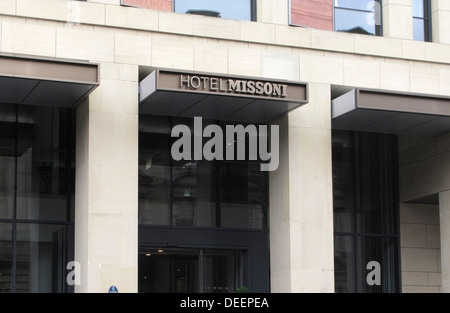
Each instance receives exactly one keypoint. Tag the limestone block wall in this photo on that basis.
(424, 166)
(420, 248)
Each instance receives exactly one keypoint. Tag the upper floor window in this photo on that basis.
(231, 9)
(422, 20)
(361, 17)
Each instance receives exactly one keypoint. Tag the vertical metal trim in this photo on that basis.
(289, 12)
(14, 223)
(253, 11)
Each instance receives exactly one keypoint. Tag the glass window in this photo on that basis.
(242, 197)
(41, 258)
(422, 20)
(7, 159)
(231, 9)
(37, 179)
(195, 193)
(361, 17)
(6, 257)
(45, 163)
(365, 203)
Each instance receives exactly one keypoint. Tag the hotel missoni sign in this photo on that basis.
(224, 85)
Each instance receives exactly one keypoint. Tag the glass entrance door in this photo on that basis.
(174, 270)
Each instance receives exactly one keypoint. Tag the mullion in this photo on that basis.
(14, 223)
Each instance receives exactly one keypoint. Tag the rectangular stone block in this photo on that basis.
(394, 77)
(419, 260)
(217, 28)
(244, 61)
(280, 65)
(435, 279)
(375, 45)
(420, 289)
(292, 36)
(28, 39)
(361, 74)
(424, 80)
(413, 235)
(433, 236)
(322, 69)
(335, 41)
(414, 279)
(8, 7)
(133, 50)
(176, 23)
(85, 45)
(211, 57)
(419, 213)
(172, 53)
(129, 17)
(412, 49)
(258, 32)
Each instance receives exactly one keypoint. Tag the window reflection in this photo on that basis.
(6, 257)
(361, 17)
(195, 193)
(421, 20)
(365, 210)
(230, 9)
(41, 251)
(37, 176)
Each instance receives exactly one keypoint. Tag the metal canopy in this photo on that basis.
(382, 112)
(50, 82)
(169, 93)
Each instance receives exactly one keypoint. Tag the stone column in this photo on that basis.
(301, 199)
(106, 195)
(274, 11)
(397, 19)
(440, 19)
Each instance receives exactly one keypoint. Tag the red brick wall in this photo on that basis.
(312, 13)
(162, 5)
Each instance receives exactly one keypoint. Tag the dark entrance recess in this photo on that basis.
(187, 260)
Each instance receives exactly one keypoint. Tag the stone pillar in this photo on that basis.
(301, 200)
(106, 195)
(440, 19)
(444, 215)
(274, 11)
(397, 19)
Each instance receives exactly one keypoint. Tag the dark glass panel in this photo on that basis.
(343, 182)
(242, 195)
(154, 179)
(45, 168)
(344, 264)
(6, 257)
(41, 258)
(384, 251)
(8, 130)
